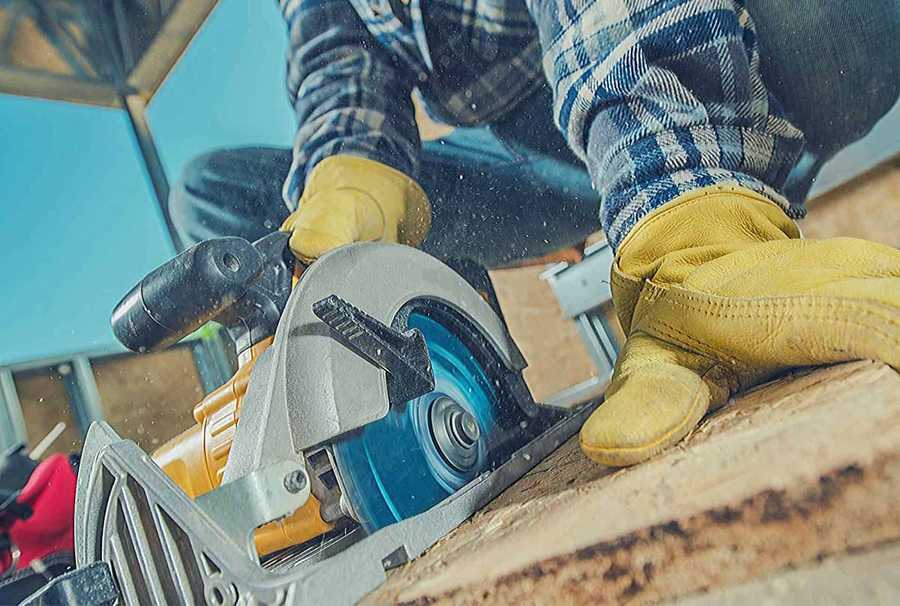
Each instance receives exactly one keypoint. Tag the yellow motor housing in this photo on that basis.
(195, 459)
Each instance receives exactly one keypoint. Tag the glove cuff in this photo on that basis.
(698, 226)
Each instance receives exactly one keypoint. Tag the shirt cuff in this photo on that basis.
(635, 178)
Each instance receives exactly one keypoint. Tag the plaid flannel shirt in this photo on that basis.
(658, 97)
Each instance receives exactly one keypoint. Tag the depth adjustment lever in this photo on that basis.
(402, 355)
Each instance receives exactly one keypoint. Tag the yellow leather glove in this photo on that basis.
(351, 199)
(716, 292)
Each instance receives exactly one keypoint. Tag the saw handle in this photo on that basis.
(242, 285)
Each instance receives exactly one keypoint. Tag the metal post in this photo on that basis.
(12, 422)
(84, 397)
(136, 108)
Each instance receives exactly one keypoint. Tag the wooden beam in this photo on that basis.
(169, 45)
(796, 471)
(43, 85)
(557, 357)
(866, 578)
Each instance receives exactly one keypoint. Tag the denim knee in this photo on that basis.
(832, 65)
(183, 192)
(182, 202)
(230, 192)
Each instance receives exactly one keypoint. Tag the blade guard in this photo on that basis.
(309, 388)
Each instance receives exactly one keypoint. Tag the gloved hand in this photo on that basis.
(351, 199)
(716, 292)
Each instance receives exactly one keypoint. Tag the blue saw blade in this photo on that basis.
(391, 468)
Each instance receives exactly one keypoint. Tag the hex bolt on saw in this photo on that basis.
(379, 402)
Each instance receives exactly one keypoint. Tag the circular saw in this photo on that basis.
(378, 403)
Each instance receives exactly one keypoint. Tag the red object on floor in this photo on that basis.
(50, 494)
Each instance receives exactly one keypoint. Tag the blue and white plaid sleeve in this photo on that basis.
(349, 95)
(662, 97)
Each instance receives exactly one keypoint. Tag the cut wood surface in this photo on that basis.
(795, 472)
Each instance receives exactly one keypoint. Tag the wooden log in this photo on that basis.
(866, 578)
(798, 471)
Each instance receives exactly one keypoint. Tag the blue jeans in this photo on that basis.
(507, 191)
(512, 190)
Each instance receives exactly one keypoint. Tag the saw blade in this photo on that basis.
(427, 448)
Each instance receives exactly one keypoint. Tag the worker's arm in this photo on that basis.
(660, 98)
(356, 147)
(712, 284)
